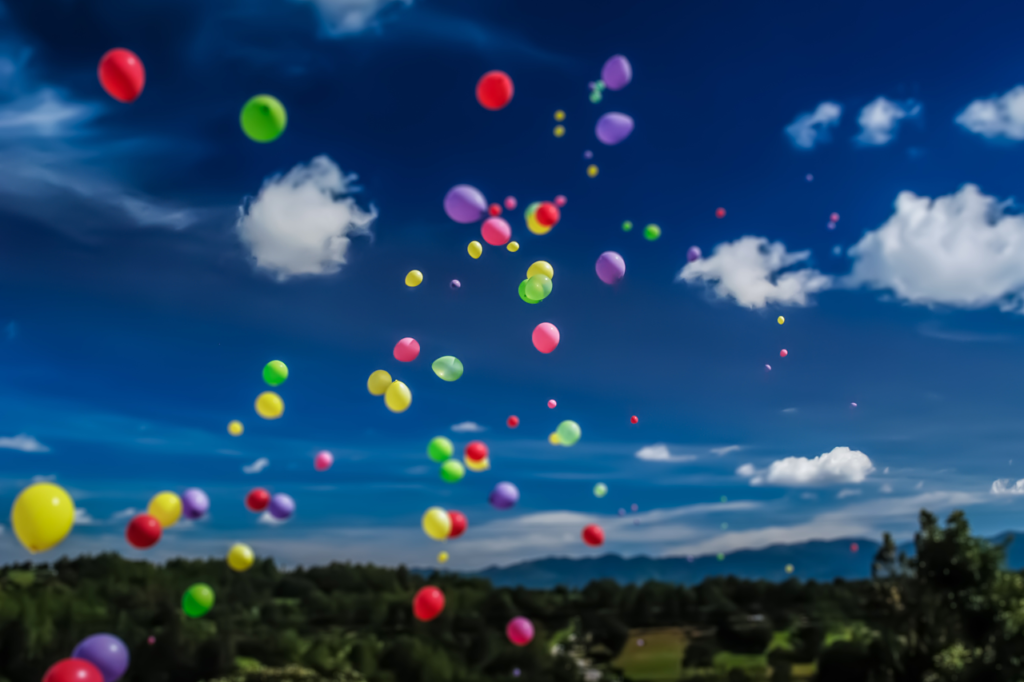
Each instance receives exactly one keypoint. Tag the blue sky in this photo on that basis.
(137, 320)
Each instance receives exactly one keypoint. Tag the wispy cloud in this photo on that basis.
(468, 427)
(725, 450)
(257, 466)
(23, 442)
(880, 120)
(83, 518)
(1005, 486)
(848, 492)
(659, 452)
(1000, 116)
(813, 128)
(347, 17)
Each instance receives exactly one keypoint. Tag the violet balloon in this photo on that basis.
(465, 204)
(107, 652)
(194, 503)
(693, 254)
(610, 267)
(455, 284)
(617, 72)
(281, 506)
(504, 496)
(613, 127)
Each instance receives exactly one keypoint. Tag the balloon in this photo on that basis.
(510, 203)
(552, 404)
(440, 448)
(600, 490)
(455, 284)
(235, 427)
(592, 170)
(448, 368)
(151, 640)
(428, 603)
(532, 224)
(323, 461)
(853, 404)
(73, 670)
(269, 405)
(652, 232)
(414, 278)
(781, 319)
(281, 506)
(407, 350)
(541, 268)
(790, 568)
(783, 353)
(465, 204)
(143, 531)
(834, 217)
(627, 225)
(719, 213)
(105, 651)
(553, 438)
(504, 496)
(275, 372)
(477, 450)
(519, 631)
(477, 465)
(569, 432)
(494, 90)
(617, 72)
(257, 499)
(809, 178)
(561, 201)
(165, 507)
(523, 295)
(559, 115)
(122, 75)
(42, 516)
(633, 419)
(613, 128)
(693, 254)
(398, 397)
(494, 209)
(496, 231)
(194, 503)
(436, 523)
(475, 249)
(264, 118)
(197, 600)
(545, 337)
(559, 130)
(452, 471)
(512, 247)
(538, 287)
(378, 382)
(768, 367)
(854, 547)
(610, 267)
(459, 524)
(442, 557)
(240, 557)
(593, 535)
(548, 214)
(588, 154)
(512, 422)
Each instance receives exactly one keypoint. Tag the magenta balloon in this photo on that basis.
(693, 254)
(610, 267)
(519, 631)
(194, 503)
(613, 127)
(546, 337)
(465, 204)
(617, 72)
(323, 461)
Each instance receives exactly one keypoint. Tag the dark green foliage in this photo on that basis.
(843, 662)
(700, 653)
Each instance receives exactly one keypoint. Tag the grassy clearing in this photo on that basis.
(660, 659)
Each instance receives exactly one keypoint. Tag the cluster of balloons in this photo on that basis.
(652, 233)
(833, 220)
(568, 434)
(616, 74)
(163, 511)
(42, 516)
(538, 283)
(542, 216)
(269, 404)
(97, 658)
(280, 506)
(559, 130)
(440, 524)
(397, 396)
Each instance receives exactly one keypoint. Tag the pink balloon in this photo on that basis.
(552, 404)
(545, 337)
(519, 631)
(561, 201)
(323, 461)
(510, 203)
(407, 350)
(783, 353)
(496, 231)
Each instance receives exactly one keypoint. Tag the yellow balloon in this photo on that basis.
(554, 439)
(165, 507)
(235, 427)
(240, 557)
(414, 278)
(513, 246)
(475, 250)
(42, 516)
(442, 558)
(436, 523)
(781, 319)
(398, 397)
(559, 115)
(592, 170)
(378, 382)
(269, 405)
(559, 130)
(531, 220)
(541, 267)
(477, 465)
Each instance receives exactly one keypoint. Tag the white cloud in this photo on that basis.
(257, 466)
(880, 120)
(23, 442)
(961, 250)
(885, 489)
(468, 427)
(790, 410)
(267, 519)
(753, 272)
(344, 17)
(1005, 486)
(725, 450)
(808, 496)
(301, 223)
(1001, 116)
(809, 129)
(83, 518)
(841, 465)
(124, 514)
(659, 452)
(847, 492)
(45, 113)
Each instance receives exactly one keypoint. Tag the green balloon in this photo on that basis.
(440, 448)
(600, 490)
(522, 292)
(538, 287)
(652, 232)
(275, 372)
(264, 118)
(452, 471)
(448, 368)
(197, 600)
(568, 432)
(627, 226)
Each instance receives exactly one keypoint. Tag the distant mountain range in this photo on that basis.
(821, 561)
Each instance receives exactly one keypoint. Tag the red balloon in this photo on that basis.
(257, 499)
(459, 524)
(494, 90)
(122, 75)
(476, 451)
(548, 214)
(719, 213)
(428, 603)
(73, 670)
(143, 531)
(494, 209)
(512, 422)
(633, 419)
(593, 535)
(854, 547)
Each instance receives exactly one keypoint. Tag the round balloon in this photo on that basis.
(496, 231)
(269, 405)
(477, 465)
(235, 428)
(553, 438)
(569, 432)
(552, 404)
(275, 372)
(413, 279)
(122, 75)
(545, 337)
(523, 295)
(197, 600)
(617, 72)
(494, 90)
(532, 224)
(593, 170)
(165, 507)
(105, 651)
(263, 118)
(512, 247)
(323, 461)
(510, 203)
(561, 201)
(281, 506)
(475, 249)
(719, 213)
(465, 204)
(240, 557)
(455, 284)
(448, 368)
(440, 448)
(613, 128)
(442, 557)
(398, 397)
(378, 383)
(548, 214)
(783, 353)
(538, 288)
(593, 535)
(143, 531)
(693, 254)
(428, 603)
(494, 209)
(512, 422)
(476, 450)
(504, 496)
(652, 232)
(257, 499)
(519, 631)
(610, 267)
(195, 503)
(73, 670)
(634, 419)
(459, 524)
(407, 350)
(600, 490)
(436, 523)
(541, 267)
(42, 516)
(452, 471)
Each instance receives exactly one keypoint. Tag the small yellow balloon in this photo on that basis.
(269, 405)
(414, 278)
(513, 246)
(592, 170)
(398, 397)
(42, 516)
(477, 465)
(541, 267)
(559, 131)
(235, 427)
(554, 439)
(475, 250)
(436, 523)
(240, 557)
(781, 319)
(442, 558)
(378, 382)
(559, 115)
(165, 507)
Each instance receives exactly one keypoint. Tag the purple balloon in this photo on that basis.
(281, 506)
(194, 503)
(610, 267)
(107, 652)
(505, 495)
(617, 72)
(465, 204)
(612, 128)
(693, 254)
(456, 284)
